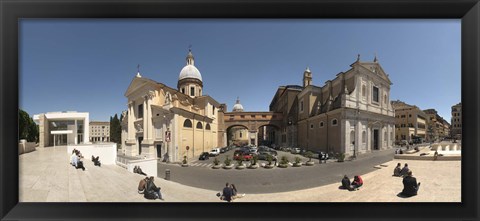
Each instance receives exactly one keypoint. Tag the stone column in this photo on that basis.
(131, 127)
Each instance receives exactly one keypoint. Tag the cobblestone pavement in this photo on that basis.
(46, 176)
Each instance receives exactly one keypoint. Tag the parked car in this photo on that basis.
(215, 152)
(246, 155)
(204, 156)
(295, 150)
(223, 149)
(263, 155)
(253, 151)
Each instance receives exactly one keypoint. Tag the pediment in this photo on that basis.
(137, 83)
(376, 69)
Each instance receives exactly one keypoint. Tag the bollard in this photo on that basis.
(167, 174)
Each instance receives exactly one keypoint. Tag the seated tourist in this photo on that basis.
(346, 183)
(404, 170)
(78, 163)
(96, 161)
(357, 182)
(397, 170)
(410, 186)
(151, 190)
(142, 184)
(227, 193)
(139, 171)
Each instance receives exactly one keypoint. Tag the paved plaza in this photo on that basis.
(46, 176)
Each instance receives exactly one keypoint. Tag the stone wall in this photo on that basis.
(26, 147)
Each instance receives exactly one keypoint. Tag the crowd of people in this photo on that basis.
(229, 193)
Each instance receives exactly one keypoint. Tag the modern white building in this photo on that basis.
(62, 128)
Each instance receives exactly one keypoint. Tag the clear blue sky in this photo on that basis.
(87, 65)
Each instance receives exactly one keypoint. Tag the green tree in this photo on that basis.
(27, 129)
(115, 129)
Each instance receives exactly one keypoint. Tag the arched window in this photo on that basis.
(385, 99)
(364, 137)
(187, 123)
(207, 127)
(240, 134)
(334, 122)
(199, 125)
(385, 134)
(321, 123)
(364, 90)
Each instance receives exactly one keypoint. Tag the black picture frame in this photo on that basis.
(11, 11)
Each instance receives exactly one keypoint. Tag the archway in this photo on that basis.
(268, 135)
(237, 135)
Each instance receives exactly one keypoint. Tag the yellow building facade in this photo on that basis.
(167, 123)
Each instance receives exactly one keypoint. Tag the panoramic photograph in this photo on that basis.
(237, 110)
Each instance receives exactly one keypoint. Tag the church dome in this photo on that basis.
(237, 107)
(190, 71)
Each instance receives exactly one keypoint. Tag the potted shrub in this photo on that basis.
(283, 162)
(340, 157)
(310, 162)
(184, 162)
(269, 160)
(297, 163)
(228, 163)
(240, 164)
(253, 162)
(216, 164)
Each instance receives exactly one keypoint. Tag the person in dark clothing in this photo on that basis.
(96, 161)
(404, 171)
(410, 186)
(227, 193)
(397, 170)
(139, 170)
(346, 183)
(151, 190)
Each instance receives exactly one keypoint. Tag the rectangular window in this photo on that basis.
(301, 105)
(213, 111)
(192, 91)
(252, 116)
(140, 111)
(375, 94)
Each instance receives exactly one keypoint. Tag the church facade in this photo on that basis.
(350, 114)
(168, 123)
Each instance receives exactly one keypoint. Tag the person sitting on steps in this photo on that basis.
(397, 170)
(357, 182)
(404, 171)
(346, 183)
(410, 186)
